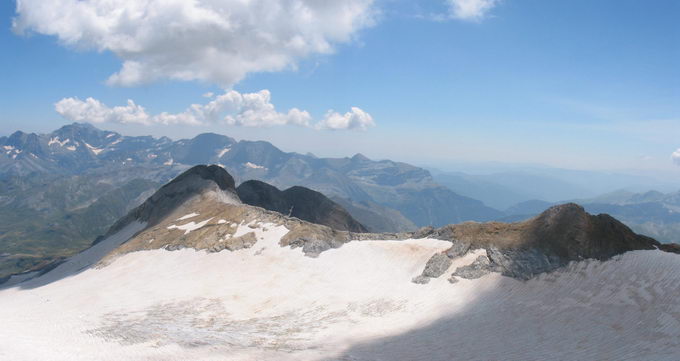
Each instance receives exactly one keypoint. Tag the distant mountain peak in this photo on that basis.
(360, 158)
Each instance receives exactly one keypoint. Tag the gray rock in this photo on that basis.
(246, 241)
(314, 247)
(524, 263)
(453, 279)
(480, 267)
(458, 249)
(423, 232)
(421, 280)
(437, 265)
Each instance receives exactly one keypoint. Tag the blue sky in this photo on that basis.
(576, 84)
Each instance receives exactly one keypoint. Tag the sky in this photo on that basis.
(576, 84)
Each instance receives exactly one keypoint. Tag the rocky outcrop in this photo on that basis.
(670, 247)
(560, 235)
(480, 267)
(299, 202)
(458, 249)
(435, 267)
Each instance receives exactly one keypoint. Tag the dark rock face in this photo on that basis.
(261, 194)
(212, 173)
(299, 202)
(670, 247)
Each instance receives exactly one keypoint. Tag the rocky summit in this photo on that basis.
(197, 273)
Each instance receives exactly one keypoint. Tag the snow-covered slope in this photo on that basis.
(193, 274)
(356, 302)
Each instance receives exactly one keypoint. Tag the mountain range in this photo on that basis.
(58, 191)
(52, 186)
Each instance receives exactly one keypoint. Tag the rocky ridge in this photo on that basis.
(203, 221)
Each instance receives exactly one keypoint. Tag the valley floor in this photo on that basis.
(354, 303)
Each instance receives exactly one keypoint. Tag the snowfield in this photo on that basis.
(354, 303)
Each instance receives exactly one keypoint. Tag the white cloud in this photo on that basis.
(231, 108)
(218, 41)
(676, 157)
(354, 119)
(94, 111)
(473, 10)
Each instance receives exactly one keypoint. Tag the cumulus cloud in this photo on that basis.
(231, 108)
(354, 119)
(94, 111)
(472, 10)
(676, 157)
(217, 41)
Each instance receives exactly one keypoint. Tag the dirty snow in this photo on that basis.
(352, 303)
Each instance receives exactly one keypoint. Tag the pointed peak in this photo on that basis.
(360, 158)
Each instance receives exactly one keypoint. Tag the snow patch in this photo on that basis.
(94, 150)
(254, 166)
(169, 162)
(190, 215)
(191, 226)
(71, 148)
(56, 140)
(222, 152)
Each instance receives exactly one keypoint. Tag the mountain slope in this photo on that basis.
(299, 202)
(193, 274)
